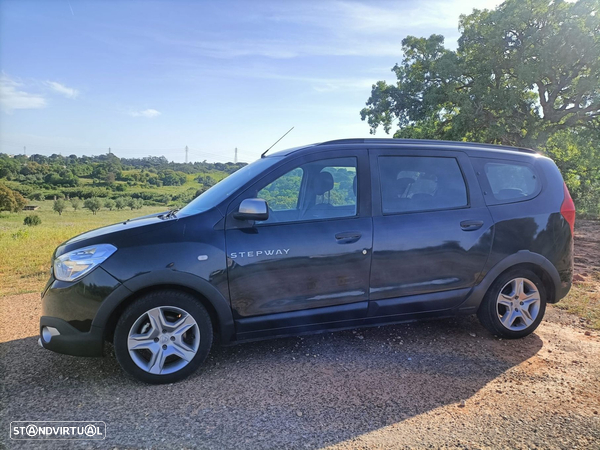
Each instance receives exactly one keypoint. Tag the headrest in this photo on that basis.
(323, 183)
(354, 185)
(402, 184)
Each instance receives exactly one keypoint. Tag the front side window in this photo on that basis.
(420, 183)
(323, 189)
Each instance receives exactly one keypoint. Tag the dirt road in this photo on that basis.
(445, 383)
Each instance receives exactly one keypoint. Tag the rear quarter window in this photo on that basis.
(505, 181)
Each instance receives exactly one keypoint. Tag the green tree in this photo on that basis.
(120, 203)
(109, 204)
(94, 204)
(11, 200)
(577, 155)
(521, 73)
(59, 206)
(75, 203)
(135, 203)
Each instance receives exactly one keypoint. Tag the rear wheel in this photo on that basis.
(163, 337)
(514, 305)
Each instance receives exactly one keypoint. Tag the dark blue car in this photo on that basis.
(346, 233)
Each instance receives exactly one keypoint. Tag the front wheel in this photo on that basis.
(163, 337)
(514, 305)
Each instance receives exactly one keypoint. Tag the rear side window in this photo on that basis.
(420, 183)
(510, 181)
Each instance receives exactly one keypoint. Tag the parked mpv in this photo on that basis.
(346, 233)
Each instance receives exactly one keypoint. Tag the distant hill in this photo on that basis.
(153, 179)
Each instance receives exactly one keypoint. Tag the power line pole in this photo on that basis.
(235, 157)
(186, 154)
(109, 152)
(25, 150)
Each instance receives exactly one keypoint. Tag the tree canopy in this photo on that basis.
(521, 72)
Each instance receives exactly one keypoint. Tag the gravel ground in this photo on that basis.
(445, 383)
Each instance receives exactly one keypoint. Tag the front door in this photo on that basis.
(314, 251)
(432, 230)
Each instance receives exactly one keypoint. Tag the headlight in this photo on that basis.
(75, 264)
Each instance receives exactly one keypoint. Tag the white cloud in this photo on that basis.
(333, 28)
(149, 113)
(62, 89)
(12, 98)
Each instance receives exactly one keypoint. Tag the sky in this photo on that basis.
(152, 77)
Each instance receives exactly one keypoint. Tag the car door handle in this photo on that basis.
(471, 225)
(348, 237)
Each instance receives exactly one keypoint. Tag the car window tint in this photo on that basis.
(420, 183)
(317, 190)
(510, 181)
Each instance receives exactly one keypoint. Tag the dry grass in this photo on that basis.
(584, 300)
(25, 251)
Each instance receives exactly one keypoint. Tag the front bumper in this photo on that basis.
(68, 310)
(57, 335)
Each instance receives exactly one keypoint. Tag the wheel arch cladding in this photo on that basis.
(535, 262)
(217, 307)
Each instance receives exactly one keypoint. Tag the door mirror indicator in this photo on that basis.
(252, 209)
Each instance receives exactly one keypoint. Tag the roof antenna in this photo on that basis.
(265, 152)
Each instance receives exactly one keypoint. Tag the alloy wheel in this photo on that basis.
(163, 340)
(518, 304)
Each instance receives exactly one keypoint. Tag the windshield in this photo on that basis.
(226, 187)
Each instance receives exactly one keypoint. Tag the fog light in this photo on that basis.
(48, 332)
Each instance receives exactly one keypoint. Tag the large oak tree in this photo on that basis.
(521, 72)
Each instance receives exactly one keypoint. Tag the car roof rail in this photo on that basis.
(425, 141)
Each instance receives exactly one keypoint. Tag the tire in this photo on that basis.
(509, 311)
(163, 337)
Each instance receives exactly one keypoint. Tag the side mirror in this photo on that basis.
(252, 209)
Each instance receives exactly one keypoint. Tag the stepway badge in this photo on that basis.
(53, 429)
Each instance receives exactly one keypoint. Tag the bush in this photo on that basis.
(32, 220)
(20, 234)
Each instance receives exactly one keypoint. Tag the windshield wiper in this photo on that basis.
(169, 214)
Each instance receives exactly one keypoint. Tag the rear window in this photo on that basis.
(509, 181)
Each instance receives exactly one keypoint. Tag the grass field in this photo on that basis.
(584, 300)
(25, 252)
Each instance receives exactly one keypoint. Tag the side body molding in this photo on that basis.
(473, 300)
(173, 278)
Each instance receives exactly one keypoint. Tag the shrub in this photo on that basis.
(32, 220)
(20, 234)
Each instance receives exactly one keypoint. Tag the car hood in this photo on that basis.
(114, 234)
